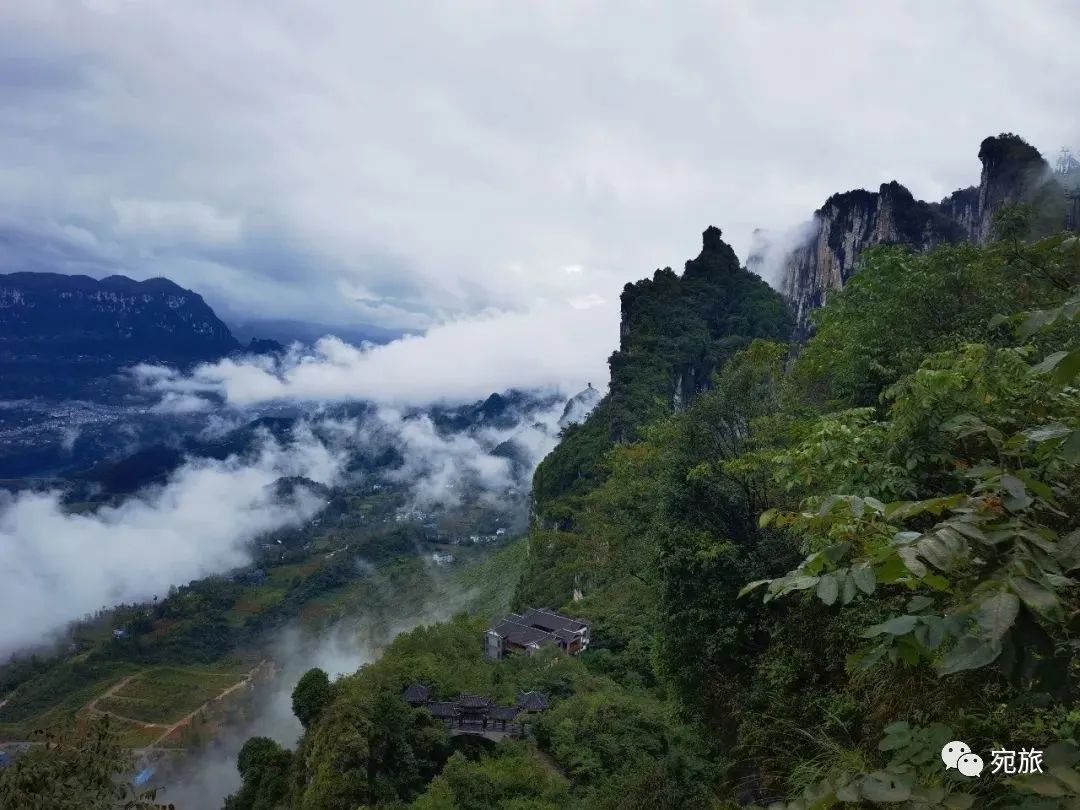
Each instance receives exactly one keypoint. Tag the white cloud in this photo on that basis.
(439, 468)
(552, 345)
(175, 221)
(770, 250)
(179, 403)
(56, 566)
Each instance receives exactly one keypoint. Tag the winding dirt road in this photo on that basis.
(168, 728)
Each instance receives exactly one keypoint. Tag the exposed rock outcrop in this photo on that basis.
(579, 406)
(849, 223)
(844, 227)
(1013, 171)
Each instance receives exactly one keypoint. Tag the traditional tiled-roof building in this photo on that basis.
(531, 629)
(476, 714)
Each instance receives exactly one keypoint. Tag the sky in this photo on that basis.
(412, 165)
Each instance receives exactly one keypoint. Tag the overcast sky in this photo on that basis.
(405, 163)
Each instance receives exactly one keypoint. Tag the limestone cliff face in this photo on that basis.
(1067, 173)
(962, 206)
(849, 223)
(1015, 172)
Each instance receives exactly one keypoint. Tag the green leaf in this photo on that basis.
(1049, 363)
(1046, 432)
(767, 517)
(1067, 552)
(1036, 320)
(881, 786)
(848, 793)
(1042, 783)
(917, 603)
(828, 504)
(891, 742)
(848, 590)
(757, 583)
(1067, 368)
(836, 552)
(997, 614)
(1070, 448)
(911, 560)
(1040, 599)
(936, 581)
(930, 632)
(890, 569)
(863, 575)
(969, 653)
(1061, 753)
(936, 552)
(896, 626)
(968, 530)
(1013, 485)
(828, 589)
(1067, 776)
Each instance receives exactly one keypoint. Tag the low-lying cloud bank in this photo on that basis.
(438, 466)
(552, 345)
(57, 566)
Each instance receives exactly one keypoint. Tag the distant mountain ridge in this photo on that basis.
(51, 314)
(66, 336)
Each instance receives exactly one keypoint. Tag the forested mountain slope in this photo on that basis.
(675, 331)
(803, 576)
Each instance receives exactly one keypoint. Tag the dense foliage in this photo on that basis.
(676, 331)
(368, 747)
(902, 492)
(803, 577)
(908, 483)
(82, 769)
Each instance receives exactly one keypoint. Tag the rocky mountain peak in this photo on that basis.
(711, 239)
(716, 256)
(848, 223)
(579, 406)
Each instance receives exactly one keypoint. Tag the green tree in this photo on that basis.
(311, 695)
(85, 768)
(264, 766)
